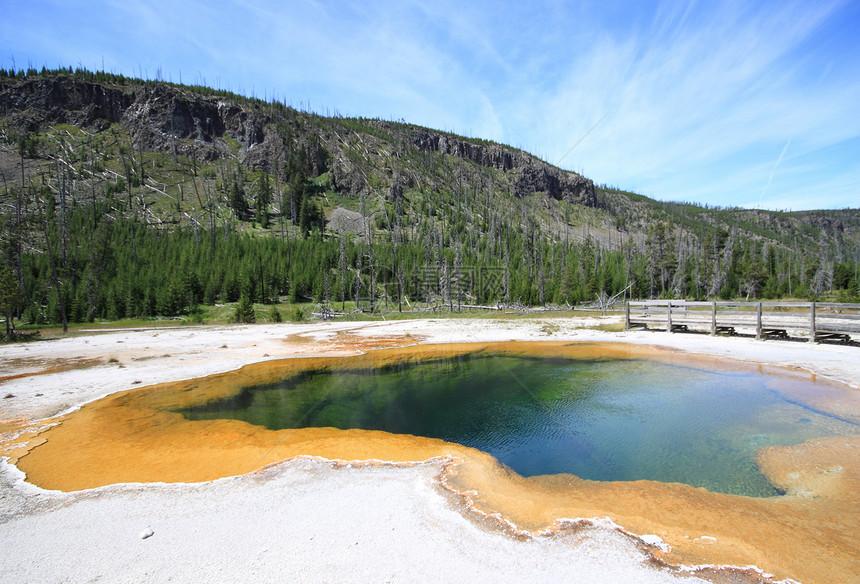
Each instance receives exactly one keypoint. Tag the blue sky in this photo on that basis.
(754, 104)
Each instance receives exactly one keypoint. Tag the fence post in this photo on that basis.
(758, 321)
(812, 322)
(669, 316)
(713, 317)
(627, 315)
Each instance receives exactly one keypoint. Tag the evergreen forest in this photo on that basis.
(125, 198)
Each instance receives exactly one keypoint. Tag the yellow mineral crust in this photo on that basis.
(808, 535)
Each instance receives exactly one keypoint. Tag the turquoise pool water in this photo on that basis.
(608, 420)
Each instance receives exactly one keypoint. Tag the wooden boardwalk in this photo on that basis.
(816, 321)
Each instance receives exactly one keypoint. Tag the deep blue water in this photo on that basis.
(608, 420)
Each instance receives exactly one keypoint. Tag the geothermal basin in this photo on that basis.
(725, 462)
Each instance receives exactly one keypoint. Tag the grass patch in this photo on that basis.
(223, 314)
(232, 144)
(611, 327)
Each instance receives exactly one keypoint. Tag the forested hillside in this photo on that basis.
(131, 198)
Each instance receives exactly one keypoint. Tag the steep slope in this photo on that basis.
(377, 209)
(365, 156)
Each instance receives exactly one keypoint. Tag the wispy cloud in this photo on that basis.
(700, 95)
(772, 172)
(716, 87)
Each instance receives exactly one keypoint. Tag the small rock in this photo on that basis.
(8, 395)
(146, 533)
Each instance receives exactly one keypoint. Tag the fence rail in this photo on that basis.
(818, 321)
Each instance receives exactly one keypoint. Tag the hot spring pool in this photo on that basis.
(600, 419)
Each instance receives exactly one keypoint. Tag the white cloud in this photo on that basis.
(698, 98)
(692, 96)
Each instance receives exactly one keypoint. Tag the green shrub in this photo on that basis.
(244, 311)
(274, 314)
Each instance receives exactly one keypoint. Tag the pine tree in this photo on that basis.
(9, 297)
(237, 200)
(264, 198)
(297, 188)
(310, 217)
(245, 310)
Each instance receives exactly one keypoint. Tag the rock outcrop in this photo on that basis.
(532, 174)
(158, 113)
(346, 221)
(33, 104)
(491, 155)
(555, 183)
(166, 118)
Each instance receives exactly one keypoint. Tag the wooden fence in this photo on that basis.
(817, 321)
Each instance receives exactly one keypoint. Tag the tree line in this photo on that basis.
(69, 267)
(96, 227)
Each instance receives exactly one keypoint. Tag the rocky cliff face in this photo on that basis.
(531, 174)
(558, 184)
(492, 156)
(166, 118)
(157, 114)
(33, 104)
